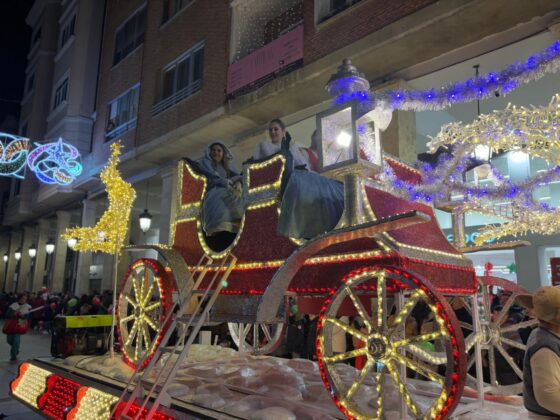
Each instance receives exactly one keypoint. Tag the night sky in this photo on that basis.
(14, 43)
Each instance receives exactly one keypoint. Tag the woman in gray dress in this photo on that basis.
(222, 206)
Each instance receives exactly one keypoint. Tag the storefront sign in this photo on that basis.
(283, 51)
(555, 270)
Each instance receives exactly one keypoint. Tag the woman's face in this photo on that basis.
(275, 132)
(22, 299)
(217, 153)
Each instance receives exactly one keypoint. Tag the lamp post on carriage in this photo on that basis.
(350, 144)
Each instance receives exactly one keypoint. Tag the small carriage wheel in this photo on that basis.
(144, 301)
(258, 339)
(498, 339)
(385, 347)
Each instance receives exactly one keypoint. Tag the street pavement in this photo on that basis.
(33, 344)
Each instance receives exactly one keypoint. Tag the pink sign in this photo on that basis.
(279, 53)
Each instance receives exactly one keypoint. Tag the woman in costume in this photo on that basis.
(222, 207)
(311, 204)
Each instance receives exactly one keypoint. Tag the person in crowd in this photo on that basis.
(17, 311)
(222, 207)
(541, 374)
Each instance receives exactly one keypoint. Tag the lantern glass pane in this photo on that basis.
(337, 134)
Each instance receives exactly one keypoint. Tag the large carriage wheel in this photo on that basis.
(384, 346)
(501, 338)
(144, 301)
(258, 339)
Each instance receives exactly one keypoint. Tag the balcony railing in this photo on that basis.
(176, 97)
(121, 129)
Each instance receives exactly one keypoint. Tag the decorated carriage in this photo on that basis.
(385, 262)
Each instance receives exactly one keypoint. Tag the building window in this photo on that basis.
(61, 93)
(67, 31)
(172, 7)
(326, 9)
(30, 83)
(181, 78)
(121, 113)
(130, 35)
(36, 36)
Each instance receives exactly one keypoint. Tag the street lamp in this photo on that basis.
(145, 220)
(6, 257)
(32, 251)
(49, 247)
(17, 254)
(72, 242)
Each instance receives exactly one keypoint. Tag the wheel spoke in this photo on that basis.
(465, 326)
(510, 361)
(512, 343)
(151, 307)
(403, 314)
(151, 323)
(148, 295)
(379, 389)
(146, 336)
(132, 333)
(136, 287)
(505, 310)
(347, 328)
(403, 391)
(138, 347)
(360, 308)
(381, 302)
(420, 368)
(419, 338)
(126, 319)
(266, 332)
(524, 324)
(344, 356)
(130, 299)
(360, 380)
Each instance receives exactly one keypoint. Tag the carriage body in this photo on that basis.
(260, 251)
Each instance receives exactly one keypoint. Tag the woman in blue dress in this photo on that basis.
(222, 206)
(311, 204)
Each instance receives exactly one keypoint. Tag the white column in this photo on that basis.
(15, 243)
(59, 255)
(168, 202)
(5, 249)
(25, 275)
(81, 285)
(41, 258)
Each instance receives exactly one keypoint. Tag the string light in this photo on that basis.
(109, 233)
(13, 155)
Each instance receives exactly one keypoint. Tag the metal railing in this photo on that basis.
(176, 97)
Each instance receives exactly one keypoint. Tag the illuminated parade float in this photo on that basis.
(385, 261)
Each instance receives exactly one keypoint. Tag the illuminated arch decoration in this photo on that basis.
(13, 155)
(109, 233)
(55, 163)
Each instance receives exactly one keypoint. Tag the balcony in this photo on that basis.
(266, 42)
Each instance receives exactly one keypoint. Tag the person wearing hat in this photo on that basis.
(541, 372)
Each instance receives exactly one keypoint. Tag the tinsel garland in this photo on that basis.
(109, 233)
(476, 88)
(533, 131)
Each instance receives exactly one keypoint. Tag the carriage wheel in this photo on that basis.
(500, 338)
(384, 347)
(258, 339)
(144, 301)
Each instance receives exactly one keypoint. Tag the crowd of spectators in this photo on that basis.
(55, 304)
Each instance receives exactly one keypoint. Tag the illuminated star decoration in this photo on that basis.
(108, 234)
(13, 155)
(55, 163)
